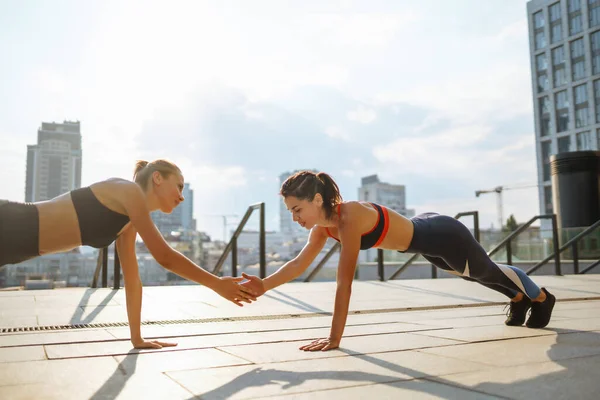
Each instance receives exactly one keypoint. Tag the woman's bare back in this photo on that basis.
(59, 225)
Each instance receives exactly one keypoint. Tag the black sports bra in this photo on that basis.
(376, 235)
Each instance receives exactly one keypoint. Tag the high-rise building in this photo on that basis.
(386, 194)
(287, 226)
(181, 219)
(54, 163)
(564, 40)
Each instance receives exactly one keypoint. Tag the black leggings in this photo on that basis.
(19, 232)
(448, 244)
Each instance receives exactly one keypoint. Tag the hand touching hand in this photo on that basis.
(229, 288)
(255, 284)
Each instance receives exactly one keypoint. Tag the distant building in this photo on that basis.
(54, 163)
(564, 51)
(386, 194)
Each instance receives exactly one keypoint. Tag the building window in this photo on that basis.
(542, 67)
(546, 146)
(562, 111)
(544, 106)
(564, 144)
(540, 40)
(538, 20)
(541, 62)
(594, 12)
(595, 41)
(597, 99)
(584, 140)
(575, 18)
(558, 66)
(581, 106)
(555, 23)
(578, 59)
(540, 36)
(548, 200)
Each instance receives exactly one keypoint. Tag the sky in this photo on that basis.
(431, 94)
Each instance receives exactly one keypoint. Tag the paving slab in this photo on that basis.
(524, 351)
(404, 339)
(314, 375)
(562, 379)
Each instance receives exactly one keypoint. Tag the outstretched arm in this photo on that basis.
(291, 269)
(135, 204)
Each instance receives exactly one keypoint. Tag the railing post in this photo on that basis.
(476, 225)
(104, 267)
(117, 272)
(380, 271)
(508, 253)
(575, 259)
(234, 262)
(433, 271)
(262, 250)
(556, 247)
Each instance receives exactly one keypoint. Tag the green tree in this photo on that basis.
(511, 226)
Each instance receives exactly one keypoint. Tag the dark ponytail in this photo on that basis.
(306, 184)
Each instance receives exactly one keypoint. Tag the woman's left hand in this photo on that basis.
(321, 345)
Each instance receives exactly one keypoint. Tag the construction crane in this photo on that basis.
(498, 190)
(224, 216)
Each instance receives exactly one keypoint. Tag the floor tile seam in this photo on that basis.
(170, 378)
(172, 349)
(432, 328)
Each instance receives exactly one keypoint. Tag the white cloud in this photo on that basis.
(449, 151)
(337, 133)
(362, 114)
(374, 29)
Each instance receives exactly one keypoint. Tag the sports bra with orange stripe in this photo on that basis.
(376, 235)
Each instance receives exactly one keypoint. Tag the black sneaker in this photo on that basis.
(518, 311)
(541, 312)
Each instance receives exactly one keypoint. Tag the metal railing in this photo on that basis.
(321, 263)
(102, 266)
(380, 266)
(571, 243)
(232, 245)
(102, 262)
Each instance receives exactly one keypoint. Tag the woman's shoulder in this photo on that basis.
(353, 207)
(115, 184)
(353, 211)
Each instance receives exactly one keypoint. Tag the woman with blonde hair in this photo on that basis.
(98, 214)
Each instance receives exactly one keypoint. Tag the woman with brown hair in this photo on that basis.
(316, 204)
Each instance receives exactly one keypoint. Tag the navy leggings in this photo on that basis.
(448, 244)
(19, 232)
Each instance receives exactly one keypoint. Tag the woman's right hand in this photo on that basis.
(229, 288)
(254, 283)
